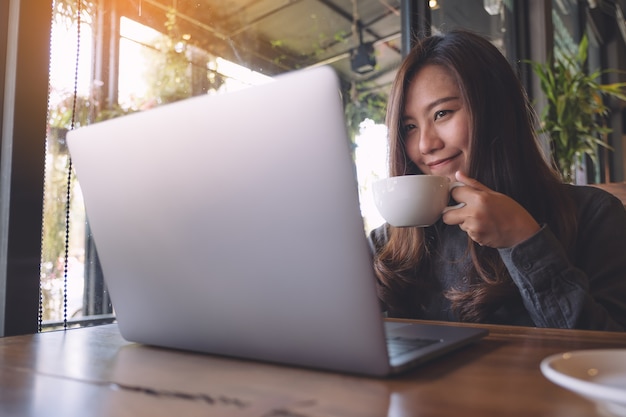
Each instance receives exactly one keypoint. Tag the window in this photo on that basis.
(130, 56)
(491, 18)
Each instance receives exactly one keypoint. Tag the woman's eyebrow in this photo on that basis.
(434, 104)
(441, 101)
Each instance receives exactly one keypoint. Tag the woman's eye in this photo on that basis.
(441, 113)
(409, 127)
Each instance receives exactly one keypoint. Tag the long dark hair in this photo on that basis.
(504, 155)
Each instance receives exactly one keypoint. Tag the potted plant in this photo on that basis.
(574, 117)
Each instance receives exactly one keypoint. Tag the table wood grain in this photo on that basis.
(94, 372)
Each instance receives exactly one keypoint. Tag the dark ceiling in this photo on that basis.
(274, 36)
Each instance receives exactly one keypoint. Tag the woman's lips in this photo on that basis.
(441, 162)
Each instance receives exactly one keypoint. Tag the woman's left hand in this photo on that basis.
(489, 218)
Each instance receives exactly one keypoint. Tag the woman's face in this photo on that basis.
(436, 123)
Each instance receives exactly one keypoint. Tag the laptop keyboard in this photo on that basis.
(397, 345)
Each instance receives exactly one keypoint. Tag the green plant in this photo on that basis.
(574, 117)
(362, 103)
(70, 9)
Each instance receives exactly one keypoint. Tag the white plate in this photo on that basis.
(599, 375)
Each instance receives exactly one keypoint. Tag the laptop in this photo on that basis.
(231, 225)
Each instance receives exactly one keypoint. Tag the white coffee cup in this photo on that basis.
(414, 200)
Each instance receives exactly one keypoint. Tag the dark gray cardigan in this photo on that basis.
(585, 291)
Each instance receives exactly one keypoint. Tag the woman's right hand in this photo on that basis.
(489, 218)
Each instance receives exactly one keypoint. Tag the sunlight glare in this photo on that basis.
(371, 164)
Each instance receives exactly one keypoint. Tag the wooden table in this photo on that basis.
(94, 372)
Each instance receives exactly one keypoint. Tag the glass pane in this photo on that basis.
(62, 271)
(491, 18)
(567, 29)
(144, 53)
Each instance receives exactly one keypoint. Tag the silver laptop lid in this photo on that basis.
(231, 225)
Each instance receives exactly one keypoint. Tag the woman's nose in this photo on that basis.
(429, 141)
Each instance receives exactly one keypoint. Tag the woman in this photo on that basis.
(526, 249)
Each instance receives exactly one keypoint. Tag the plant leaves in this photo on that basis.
(575, 112)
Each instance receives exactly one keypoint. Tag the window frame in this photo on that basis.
(24, 60)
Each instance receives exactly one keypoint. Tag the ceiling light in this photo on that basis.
(363, 59)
